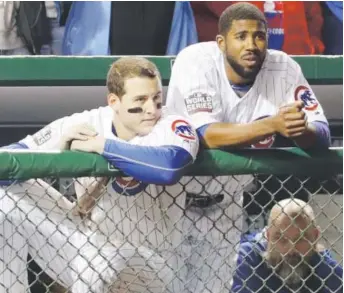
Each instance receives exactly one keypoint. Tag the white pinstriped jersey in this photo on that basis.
(199, 88)
(131, 210)
(200, 91)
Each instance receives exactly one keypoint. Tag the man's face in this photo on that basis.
(245, 47)
(290, 247)
(140, 108)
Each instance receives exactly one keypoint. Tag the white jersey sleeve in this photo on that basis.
(48, 138)
(178, 131)
(299, 90)
(171, 130)
(193, 90)
(159, 157)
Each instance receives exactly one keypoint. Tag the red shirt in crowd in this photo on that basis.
(302, 24)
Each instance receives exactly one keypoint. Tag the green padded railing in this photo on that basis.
(62, 70)
(25, 165)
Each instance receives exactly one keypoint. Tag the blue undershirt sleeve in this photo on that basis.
(162, 165)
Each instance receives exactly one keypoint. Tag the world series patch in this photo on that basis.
(42, 136)
(199, 102)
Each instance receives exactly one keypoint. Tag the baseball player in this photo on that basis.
(238, 94)
(127, 240)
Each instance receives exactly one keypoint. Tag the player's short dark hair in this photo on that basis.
(239, 11)
(128, 67)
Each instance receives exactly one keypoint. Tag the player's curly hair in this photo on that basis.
(239, 11)
(128, 67)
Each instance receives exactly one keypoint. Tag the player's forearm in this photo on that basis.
(317, 134)
(155, 165)
(15, 146)
(226, 134)
(88, 191)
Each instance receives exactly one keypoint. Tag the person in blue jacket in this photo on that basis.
(91, 28)
(287, 256)
(333, 27)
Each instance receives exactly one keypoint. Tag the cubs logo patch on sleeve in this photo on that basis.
(183, 129)
(304, 94)
(199, 102)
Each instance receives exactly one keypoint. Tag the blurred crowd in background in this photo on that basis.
(158, 28)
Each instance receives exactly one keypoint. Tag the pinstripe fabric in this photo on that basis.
(198, 75)
(143, 230)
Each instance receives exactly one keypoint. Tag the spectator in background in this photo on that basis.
(31, 27)
(10, 41)
(295, 26)
(140, 27)
(286, 256)
(128, 28)
(54, 12)
(333, 27)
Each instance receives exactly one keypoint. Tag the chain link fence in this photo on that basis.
(149, 242)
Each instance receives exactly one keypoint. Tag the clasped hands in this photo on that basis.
(291, 121)
(82, 137)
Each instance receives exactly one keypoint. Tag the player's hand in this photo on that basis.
(294, 107)
(91, 145)
(81, 132)
(88, 191)
(291, 121)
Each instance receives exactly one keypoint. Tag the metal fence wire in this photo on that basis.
(181, 241)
